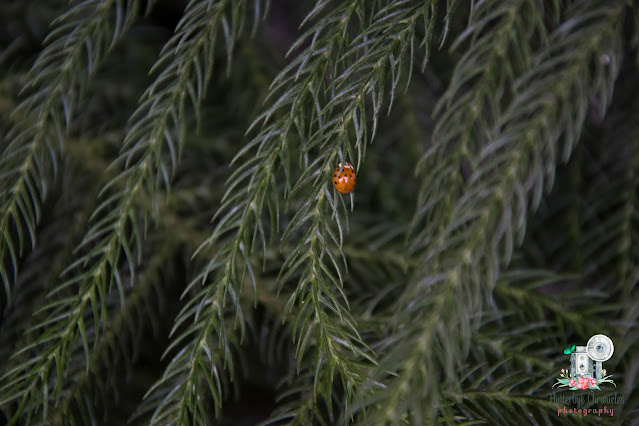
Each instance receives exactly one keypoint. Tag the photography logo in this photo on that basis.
(586, 370)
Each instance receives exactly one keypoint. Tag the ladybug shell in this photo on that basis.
(345, 181)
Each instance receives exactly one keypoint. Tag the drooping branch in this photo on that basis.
(462, 261)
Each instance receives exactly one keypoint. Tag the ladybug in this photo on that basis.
(344, 182)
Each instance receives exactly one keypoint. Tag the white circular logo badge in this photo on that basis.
(600, 348)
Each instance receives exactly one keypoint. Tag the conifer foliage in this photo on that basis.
(173, 250)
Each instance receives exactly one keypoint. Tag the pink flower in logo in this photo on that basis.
(572, 382)
(583, 382)
(593, 382)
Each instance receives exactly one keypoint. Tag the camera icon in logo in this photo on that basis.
(586, 370)
(586, 361)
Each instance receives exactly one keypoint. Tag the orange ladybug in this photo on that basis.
(344, 182)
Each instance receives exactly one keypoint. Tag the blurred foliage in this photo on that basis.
(173, 250)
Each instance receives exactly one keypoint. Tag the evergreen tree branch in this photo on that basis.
(611, 214)
(373, 262)
(320, 313)
(253, 184)
(297, 404)
(51, 255)
(118, 345)
(157, 131)
(511, 369)
(500, 35)
(561, 305)
(379, 53)
(599, 208)
(82, 38)
(192, 66)
(467, 327)
(501, 405)
(179, 396)
(240, 214)
(461, 265)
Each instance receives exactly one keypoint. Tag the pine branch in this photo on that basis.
(45, 262)
(500, 36)
(503, 406)
(240, 214)
(297, 404)
(461, 264)
(376, 274)
(599, 208)
(526, 288)
(465, 326)
(376, 260)
(320, 314)
(190, 57)
(179, 396)
(517, 353)
(526, 329)
(611, 214)
(511, 369)
(379, 53)
(117, 346)
(83, 36)
(158, 126)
